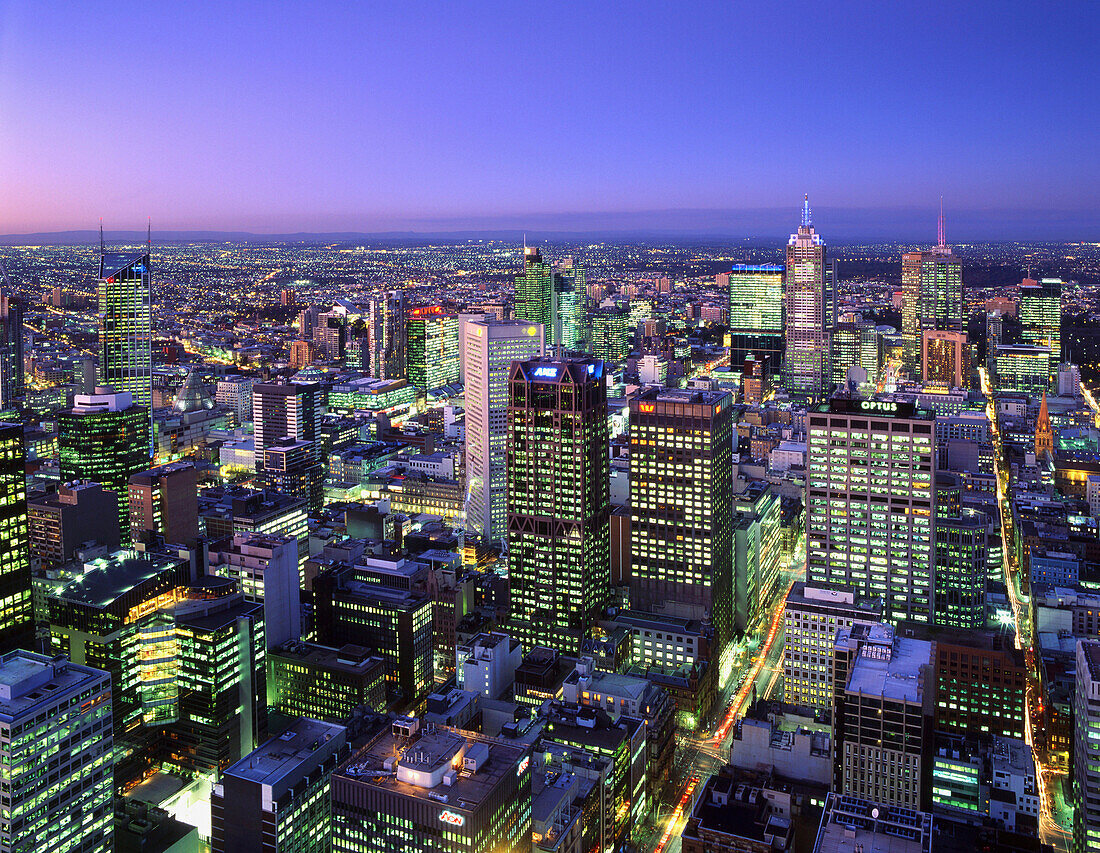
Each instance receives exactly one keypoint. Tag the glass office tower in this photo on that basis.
(1040, 314)
(535, 302)
(126, 325)
(804, 367)
(16, 616)
(756, 313)
(433, 347)
(559, 506)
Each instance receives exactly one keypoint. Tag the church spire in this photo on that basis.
(1044, 434)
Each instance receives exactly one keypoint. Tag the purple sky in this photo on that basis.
(392, 115)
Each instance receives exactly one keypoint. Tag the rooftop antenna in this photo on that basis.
(806, 222)
(149, 236)
(102, 249)
(942, 245)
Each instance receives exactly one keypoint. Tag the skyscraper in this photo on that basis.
(433, 347)
(570, 304)
(57, 798)
(535, 296)
(11, 350)
(756, 313)
(164, 501)
(1040, 313)
(610, 334)
(16, 617)
(871, 502)
(681, 483)
(805, 300)
(559, 506)
(911, 265)
(286, 417)
(1086, 748)
(105, 438)
(489, 349)
(386, 335)
(944, 358)
(126, 325)
(932, 297)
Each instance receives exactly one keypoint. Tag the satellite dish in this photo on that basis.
(874, 813)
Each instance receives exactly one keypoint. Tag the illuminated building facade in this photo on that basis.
(59, 523)
(433, 347)
(450, 791)
(387, 340)
(855, 345)
(944, 358)
(804, 365)
(105, 438)
(535, 301)
(1022, 368)
(164, 501)
(1040, 313)
(610, 334)
(911, 265)
(16, 613)
(12, 383)
(559, 506)
(941, 292)
(871, 502)
(311, 680)
(756, 313)
(489, 349)
(962, 555)
(286, 418)
(125, 299)
(55, 798)
(681, 483)
(1086, 748)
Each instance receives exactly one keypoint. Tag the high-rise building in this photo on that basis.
(1022, 368)
(387, 340)
(882, 689)
(56, 798)
(535, 302)
(610, 333)
(235, 392)
(286, 418)
(104, 438)
(265, 567)
(981, 682)
(433, 347)
(804, 366)
(911, 265)
(558, 499)
(871, 502)
(757, 549)
(962, 555)
(1086, 748)
(11, 351)
(311, 680)
(944, 358)
(276, 798)
(571, 302)
(450, 791)
(812, 616)
(126, 326)
(854, 344)
(681, 486)
(164, 501)
(489, 348)
(59, 523)
(16, 617)
(756, 312)
(941, 299)
(1040, 314)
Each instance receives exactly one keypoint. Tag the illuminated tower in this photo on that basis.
(805, 300)
(559, 506)
(287, 419)
(681, 486)
(490, 347)
(16, 618)
(387, 339)
(756, 313)
(1044, 433)
(911, 265)
(126, 324)
(433, 347)
(1040, 313)
(536, 300)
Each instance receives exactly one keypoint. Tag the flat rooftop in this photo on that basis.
(426, 753)
(897, 678)
(850, 823)
(108, 577)
(300, 746)
(29, 680)
(659, 622)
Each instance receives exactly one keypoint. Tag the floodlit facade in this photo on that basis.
(804, 368)
(125, 298)
(756, 313)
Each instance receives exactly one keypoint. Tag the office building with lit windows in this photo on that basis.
(535, 301)
(224, 512)
(962, 556)
(981, 682)
(558, 498)
(287, 418)
(164, 501)
(610, 334)
(1086, 747)
(554, 298)
(944, 358)
(941, 291)
(881, 711)
(125, 299)
(440, 790)
(489, 348)
(856, 344)
(265, 568)
(812, 616)
(55, 797)
(432, 347)
(311, 680)
(1040, 314)
(12, 379)
(277, 798)
(16, 607)
(757, 551)
(387, 338)
(871, 501)
(805, 362)
(681, 483)
(756, 313)
(104, 438)
(1022, 368)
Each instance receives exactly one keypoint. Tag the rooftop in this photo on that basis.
(108, 577)
(850, 823)
(891, 671)
(29, 680)
(300, 748)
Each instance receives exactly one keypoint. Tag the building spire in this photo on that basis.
(1044, 433)
(942, 231)
(807, 222)
(149, 236)
(102, 248)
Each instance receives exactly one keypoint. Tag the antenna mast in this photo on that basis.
(149, 236)
(942, 231)
(102, 249)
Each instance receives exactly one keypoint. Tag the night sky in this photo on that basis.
(377, 116)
